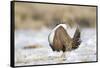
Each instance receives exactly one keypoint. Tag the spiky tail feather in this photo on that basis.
(76, 39)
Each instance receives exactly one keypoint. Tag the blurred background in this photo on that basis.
(36, 16)
(35, 21)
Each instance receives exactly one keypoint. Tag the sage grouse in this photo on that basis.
(60, 40)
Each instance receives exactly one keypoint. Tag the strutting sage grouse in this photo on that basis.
(60, 40)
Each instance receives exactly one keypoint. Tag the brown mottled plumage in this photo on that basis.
(63, 42)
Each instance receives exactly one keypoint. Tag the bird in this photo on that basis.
(60, 40)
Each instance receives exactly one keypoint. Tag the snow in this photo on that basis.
(45, 55)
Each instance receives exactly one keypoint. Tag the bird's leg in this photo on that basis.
(63, 56)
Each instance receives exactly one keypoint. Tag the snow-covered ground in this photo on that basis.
(44, 54)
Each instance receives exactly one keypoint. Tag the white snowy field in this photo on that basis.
(43, 54)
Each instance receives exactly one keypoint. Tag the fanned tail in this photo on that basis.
(76, 39)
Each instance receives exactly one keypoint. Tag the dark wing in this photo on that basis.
(76, 39)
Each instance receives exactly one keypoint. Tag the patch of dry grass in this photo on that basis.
(32, 46)
(35, 16)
